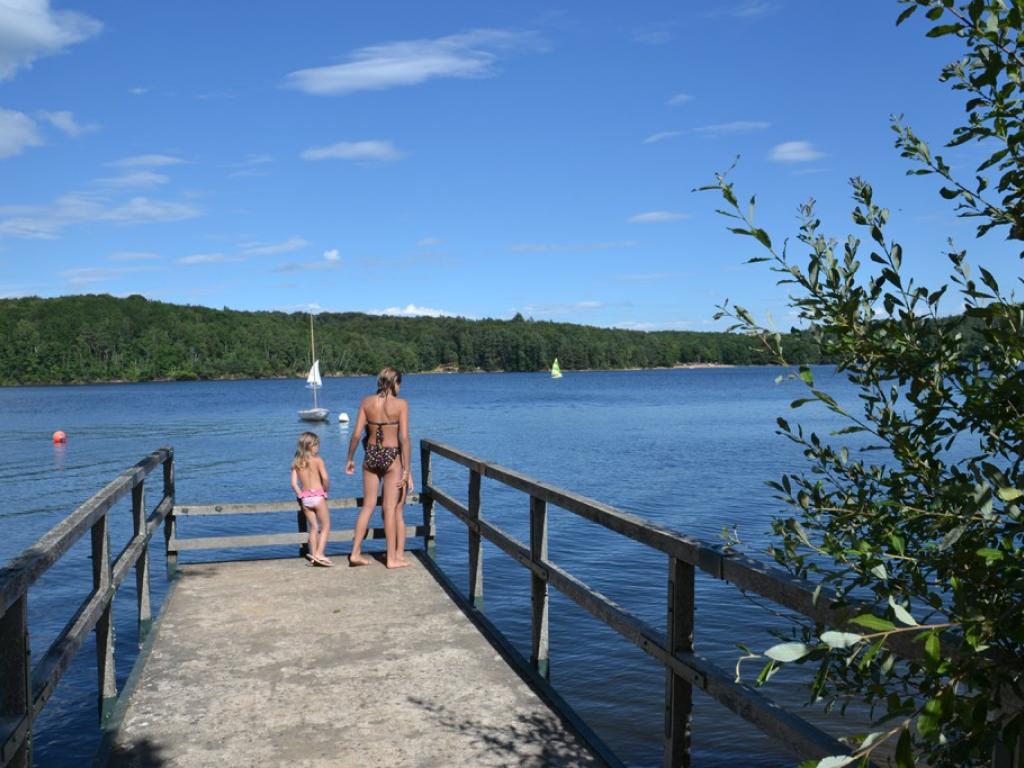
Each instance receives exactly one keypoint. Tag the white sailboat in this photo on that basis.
(556, 372)
(314, 382)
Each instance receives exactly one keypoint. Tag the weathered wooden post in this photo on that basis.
(303, 526)
(101, 583)
(539, 586)
(170, 522)
(142, 564)
(476, 550)
(427, 501)
(16, 682)
(679, 692)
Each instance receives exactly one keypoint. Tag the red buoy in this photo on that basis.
(59, 437)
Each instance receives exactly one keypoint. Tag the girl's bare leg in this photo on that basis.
(314, 538)
(370, 485)
(390, 502)
(324, 517)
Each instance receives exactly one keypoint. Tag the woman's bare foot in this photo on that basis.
(356, 560)
(397, 564)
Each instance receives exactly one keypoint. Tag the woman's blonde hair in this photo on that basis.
(388, 380)
(307, 440)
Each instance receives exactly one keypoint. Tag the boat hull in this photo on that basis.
(314, 414)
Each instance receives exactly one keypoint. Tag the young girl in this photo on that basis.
(310, 483)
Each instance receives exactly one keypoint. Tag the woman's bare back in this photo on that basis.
(383, 413)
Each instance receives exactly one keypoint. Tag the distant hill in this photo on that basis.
(97, 338)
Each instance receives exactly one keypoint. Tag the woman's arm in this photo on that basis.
(403, 439)
(357, 430)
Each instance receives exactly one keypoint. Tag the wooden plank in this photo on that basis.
(679, 639)
(461, 512)
(62, 650)
(426, 501)
(278, 539)
(101, 580)
(790, 731)
(142, 596)
(539, 638)
(454, 454)
(748, 574)
(269, 508)
(15, 686)
(476, 549)
(23, 570)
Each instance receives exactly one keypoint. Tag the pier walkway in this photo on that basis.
(278, 663)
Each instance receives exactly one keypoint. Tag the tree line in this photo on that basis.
(94, 338)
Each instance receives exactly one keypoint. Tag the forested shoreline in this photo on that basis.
(101, 338)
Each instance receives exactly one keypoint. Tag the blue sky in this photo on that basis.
(465, 158)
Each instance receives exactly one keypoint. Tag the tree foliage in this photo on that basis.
(926, 531)
(102, 338)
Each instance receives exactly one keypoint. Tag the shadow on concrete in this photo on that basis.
(532, 740)
(141, 754)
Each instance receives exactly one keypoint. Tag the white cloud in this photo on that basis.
(30, 29)
(46, 222)
(428, 242)
(332, 255)
(305, 266)
(388, 65)
(146, 161)
(207, 258)
(656, 137)
(749, 9)
(65, 121)
(138, 90)
(540, 310)
(654, 34)
(141, 209)
(272, 249)
(355, 150)
(134, 256)
(656, 217)
(411, 310)
(795, 152)
(17, 131)
(679, 98)
(87, 275)
(569, 247)
(736, 126)
(144, 179)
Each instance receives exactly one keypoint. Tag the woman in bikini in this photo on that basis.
(384, 423)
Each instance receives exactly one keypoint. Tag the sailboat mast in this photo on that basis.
(312, 357)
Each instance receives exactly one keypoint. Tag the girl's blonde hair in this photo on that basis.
(388, 380)
(307, 440)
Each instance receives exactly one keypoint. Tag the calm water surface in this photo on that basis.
(690, 449)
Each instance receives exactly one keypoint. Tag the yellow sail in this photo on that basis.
(556, 372)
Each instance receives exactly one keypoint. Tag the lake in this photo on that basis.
(688, 448)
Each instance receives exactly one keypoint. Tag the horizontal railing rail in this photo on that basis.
(24, 689)
(672, 648)
(176, 543)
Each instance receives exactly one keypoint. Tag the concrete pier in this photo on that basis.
(267, 663)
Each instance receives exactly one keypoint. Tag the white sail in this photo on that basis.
(314, 375)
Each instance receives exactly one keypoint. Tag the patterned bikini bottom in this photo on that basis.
(380, 458)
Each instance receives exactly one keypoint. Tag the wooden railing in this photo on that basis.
(673, 647)
(24, 688)
(177, 543)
